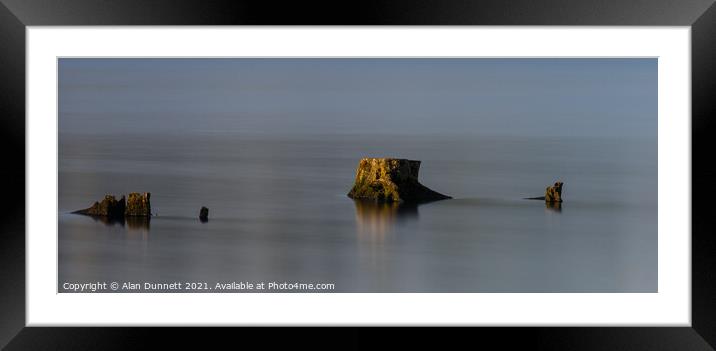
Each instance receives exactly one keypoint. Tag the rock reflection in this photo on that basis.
(374, 220)
(109, 221)
(133, 223)
(553, 206)
(138, 223)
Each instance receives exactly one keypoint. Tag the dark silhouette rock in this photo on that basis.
(554, 193)
(391, 180)
(204, 214)
(109, 207)
(138, 205)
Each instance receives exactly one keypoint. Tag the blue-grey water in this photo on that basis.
(270, 146)
(279, 212)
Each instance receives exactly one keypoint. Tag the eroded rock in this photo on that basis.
(108, 207)
(138, 205)
(391, 180)
(554, 193)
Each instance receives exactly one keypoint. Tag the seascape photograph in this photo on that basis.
(357, 175)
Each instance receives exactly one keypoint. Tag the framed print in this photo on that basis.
(512, 171)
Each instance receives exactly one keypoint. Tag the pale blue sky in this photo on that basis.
(536, 97)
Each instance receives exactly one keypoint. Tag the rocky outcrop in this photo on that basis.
(553, 194)
(138, 205)
(391, 180)
(204, 214)
(108, 207)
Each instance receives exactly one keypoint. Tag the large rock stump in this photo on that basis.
(391, 180)
(138, 205)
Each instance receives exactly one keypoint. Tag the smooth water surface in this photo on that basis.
(279, 212)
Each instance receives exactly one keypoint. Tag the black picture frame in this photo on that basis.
(700, 15)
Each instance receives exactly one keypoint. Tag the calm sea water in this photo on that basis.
(279, 213)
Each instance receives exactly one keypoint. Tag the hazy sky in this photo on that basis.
(553, 97)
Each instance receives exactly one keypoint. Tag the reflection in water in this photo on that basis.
(553, 206)
(108, 221)
(138, 228)
(286, 216)
(374, 222)
(138, 223)
(374, 219)
(132, 223)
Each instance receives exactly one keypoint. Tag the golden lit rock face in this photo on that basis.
(554, 193)
(391, 180)
(138, 205)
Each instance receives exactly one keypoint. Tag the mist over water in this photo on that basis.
(271, 148)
